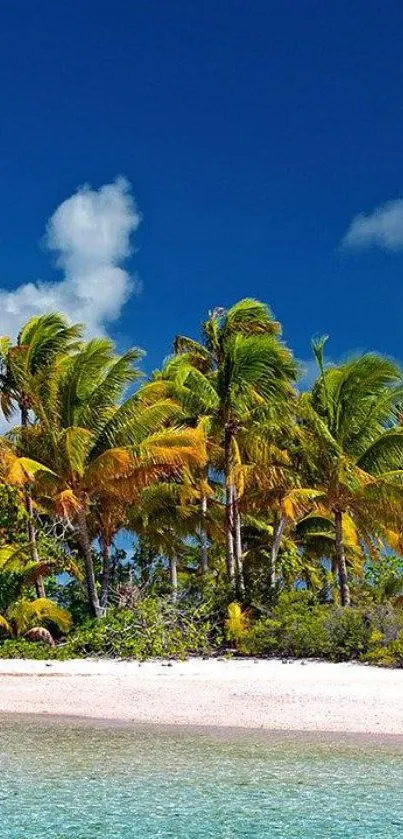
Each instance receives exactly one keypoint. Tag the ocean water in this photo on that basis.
(78, 781)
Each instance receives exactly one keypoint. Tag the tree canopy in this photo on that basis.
(217, 469)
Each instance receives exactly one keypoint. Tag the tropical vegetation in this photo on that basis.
(217, 505)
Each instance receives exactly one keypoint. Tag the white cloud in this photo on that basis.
(383, 227)
(90, 232)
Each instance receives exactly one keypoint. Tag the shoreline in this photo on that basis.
(217, 733)
(243, 695)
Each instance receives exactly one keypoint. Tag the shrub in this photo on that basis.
(236, 623)
(396, 650)
(155, 628)
(21, 648)
(298, 626)
(387, 656)
(302, 629)
(349, 633)
(262, 638)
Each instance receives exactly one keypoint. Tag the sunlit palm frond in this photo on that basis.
(250, 317)
(25, 614)
(5, 626)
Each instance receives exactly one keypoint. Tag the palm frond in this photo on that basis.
(25, 614)
(250, 317)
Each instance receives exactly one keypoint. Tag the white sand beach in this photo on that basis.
(294, 696)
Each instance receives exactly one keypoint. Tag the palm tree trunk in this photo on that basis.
(278, 530)
(341, 559)
(229, 510)
(238, 547)
(106, 570)
(229, 525)
(85, 544)
(173, 575)
(333, 585)
(33, 548)
(112, 574)
(203, 537)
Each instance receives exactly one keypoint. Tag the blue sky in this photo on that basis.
(252, 135)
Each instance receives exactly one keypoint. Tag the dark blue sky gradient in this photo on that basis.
(252, 133)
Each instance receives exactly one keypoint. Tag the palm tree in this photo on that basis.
(273, 474)
(22, 615)
(183, 379)
(23, 368)
(314, 536)
(99, 448)
(14, 559)
(167, 513)
(354, 447)
(26, 618)
(76, 402)
(252, 373)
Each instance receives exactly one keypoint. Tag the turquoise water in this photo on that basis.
(65, 781)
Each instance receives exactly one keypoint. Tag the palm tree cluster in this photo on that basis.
(218, 464)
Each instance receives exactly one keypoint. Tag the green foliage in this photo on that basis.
(349, 632)
(13, 517)
(296, 627)
(300, 627)
(155, 628)
(222, 473)
(21, 648)
(395, 651)
(10, 589)
(384, 579)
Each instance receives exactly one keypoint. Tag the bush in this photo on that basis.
(21, 648)
(396, 650)
(390, 655)
(296, 627)
(349, 633)
(262, 639)
(155, 628)
(300, 627)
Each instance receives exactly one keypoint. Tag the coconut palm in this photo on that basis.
(80, 393)
(163, 521)
(100, 447)
(183, 379)
(252, 372)
(24, 365)
(314, 536)
(23, 369)
(167, 514)
(14, 559)
(25, 617)
(354, 448)
(274, 477)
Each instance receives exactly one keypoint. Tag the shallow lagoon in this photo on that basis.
(65, 780)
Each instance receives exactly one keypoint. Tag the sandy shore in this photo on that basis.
(237, 693)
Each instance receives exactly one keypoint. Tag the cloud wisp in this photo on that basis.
(382, 228)
(308, 375)
(90, 233)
